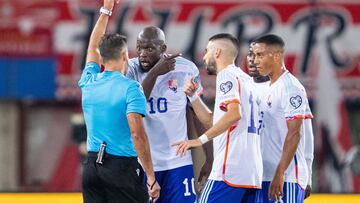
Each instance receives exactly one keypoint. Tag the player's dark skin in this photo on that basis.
(253, 71)
(151, 50)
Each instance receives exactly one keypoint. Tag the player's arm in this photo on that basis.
(208, 147)
(163, 66)
(294, 105)
(290, 146)
(230, 117)
(203, 113)
(142, 148)
(226, 121)
(148, 83)
(196, 127)
(93, 54)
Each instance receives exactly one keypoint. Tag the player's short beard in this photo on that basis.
(211, 67)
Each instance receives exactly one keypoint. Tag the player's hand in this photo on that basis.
(307, 191)
(183, 146)
(153, 189)
(109, 4)
(276, 187)
(165, 64)
(190, 87)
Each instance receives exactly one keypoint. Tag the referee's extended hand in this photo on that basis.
(183, 146)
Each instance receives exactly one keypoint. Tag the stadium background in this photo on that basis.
(42, 47)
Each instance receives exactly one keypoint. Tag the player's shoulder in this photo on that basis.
(183, 62)
(241, 74)
(291, 83)
(234, 72)
(133, 63)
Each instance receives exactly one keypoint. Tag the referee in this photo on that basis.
(113, 108)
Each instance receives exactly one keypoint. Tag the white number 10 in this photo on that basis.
(186, 183)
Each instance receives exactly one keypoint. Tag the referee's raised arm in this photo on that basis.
(93, 54)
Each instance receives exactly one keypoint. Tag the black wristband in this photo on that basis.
(152, 185)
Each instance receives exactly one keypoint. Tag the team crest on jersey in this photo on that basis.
(269, 101)
(226, 86)
(173, 85)
(296, 101)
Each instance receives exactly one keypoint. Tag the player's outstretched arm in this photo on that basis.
(195, 127)
(290, 146)
(227, 120)
(201, 110)
(98, 31)
(208, 151)
(163, 66)
(142, 148)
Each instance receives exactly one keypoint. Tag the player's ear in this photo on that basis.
(163, 48)
(277, 56)
(124, 55)
(217, 52)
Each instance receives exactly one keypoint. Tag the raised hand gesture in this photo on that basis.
(165, 64)
(109, 4)
(190, 87)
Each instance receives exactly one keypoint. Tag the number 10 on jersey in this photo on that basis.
(158, 105)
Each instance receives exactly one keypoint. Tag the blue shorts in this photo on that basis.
(177, 185)
(293, 193)
(219, 191)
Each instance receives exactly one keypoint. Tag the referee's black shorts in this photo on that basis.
(119, 179)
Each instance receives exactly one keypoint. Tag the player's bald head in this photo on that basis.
(152, 33)
(227, 43)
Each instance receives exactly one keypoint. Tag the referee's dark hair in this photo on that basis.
(111, 45)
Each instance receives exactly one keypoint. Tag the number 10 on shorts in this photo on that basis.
(186, 184)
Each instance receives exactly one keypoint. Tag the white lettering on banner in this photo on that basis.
(189, 24)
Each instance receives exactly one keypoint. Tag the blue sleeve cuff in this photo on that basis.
(92, 67)
(89, 73)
